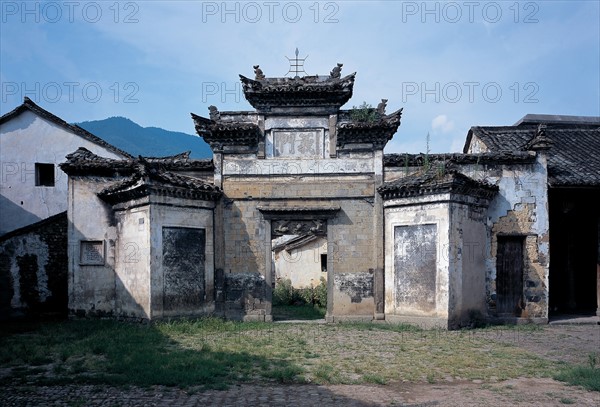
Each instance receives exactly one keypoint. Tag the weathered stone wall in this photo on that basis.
(182, 257)
(33, 270)
(468, 234)
(435, 265)
(249, 183)
(519, 209)
(92, 278)
(417, 260)
(145, 271)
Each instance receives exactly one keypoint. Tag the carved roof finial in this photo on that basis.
(381, 107)
(540, 141)
(336, 72)
(258, 73)
(214, 113)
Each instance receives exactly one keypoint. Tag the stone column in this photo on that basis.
(378, 231)
(268, 272)
(332, 136)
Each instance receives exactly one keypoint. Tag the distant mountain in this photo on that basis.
(146, 141)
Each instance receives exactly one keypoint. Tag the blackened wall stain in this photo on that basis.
(356, 285)
(28, 280)
(6, 285)
(415, 258)
(184, 267)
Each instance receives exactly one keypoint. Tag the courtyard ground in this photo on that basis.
(91, 363)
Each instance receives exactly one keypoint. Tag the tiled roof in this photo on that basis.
(149, 179)
(28, 104)
(295, 242)
(436, 181)
(573, 158)
(378, 132)
(501, 157)
(145, 176)
(83, 161)
(298, 91)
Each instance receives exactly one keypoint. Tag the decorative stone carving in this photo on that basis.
(214, 113)
(258, 73)
(299, 227)
(306, 143)
(336, 72)
(381, 107)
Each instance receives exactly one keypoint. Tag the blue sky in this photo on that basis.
(450, 65)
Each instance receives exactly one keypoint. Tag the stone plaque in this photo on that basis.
(298, 143)
(183, 264)
(91, 253)
(415, 266)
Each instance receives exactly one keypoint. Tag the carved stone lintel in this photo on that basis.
(299, 227)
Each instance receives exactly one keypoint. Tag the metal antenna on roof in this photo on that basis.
(296, 65)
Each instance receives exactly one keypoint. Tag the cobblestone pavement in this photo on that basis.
(517, 392)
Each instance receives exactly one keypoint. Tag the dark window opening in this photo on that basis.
(44, 175)
(323, 262)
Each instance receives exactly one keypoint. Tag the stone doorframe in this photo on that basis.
(280, 219)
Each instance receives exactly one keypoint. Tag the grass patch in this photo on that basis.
(585, 376)
(212, 353)
(298, 312)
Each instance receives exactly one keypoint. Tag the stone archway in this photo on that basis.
(304, 221)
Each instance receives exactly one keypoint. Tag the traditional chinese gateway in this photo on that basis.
(429, 239)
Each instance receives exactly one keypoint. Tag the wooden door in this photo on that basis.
(509, 275)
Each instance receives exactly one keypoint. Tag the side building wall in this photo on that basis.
(24, 141)
(33, 270)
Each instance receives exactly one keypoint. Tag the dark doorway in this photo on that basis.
(509, 275)
(574, 218)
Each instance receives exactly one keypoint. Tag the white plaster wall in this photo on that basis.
(91, 287)
(132, 269)
(302, 265)
(25, 140)
(410, 212)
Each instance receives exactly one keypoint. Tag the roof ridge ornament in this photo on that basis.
(297, 65)
(540, 141)
(336, 72)
(258, 73)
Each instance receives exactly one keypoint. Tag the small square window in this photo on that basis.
(44, 175)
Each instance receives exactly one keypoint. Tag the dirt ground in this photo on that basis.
(568, 343)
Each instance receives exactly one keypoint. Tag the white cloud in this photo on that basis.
(441, 123)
